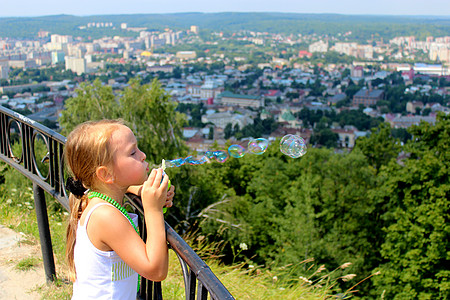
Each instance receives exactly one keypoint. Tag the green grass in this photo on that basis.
(242, 280)
(27, 264)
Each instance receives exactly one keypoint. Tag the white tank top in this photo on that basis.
(101, 274)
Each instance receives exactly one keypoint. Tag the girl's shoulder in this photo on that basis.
(98, 209)
(104, 223)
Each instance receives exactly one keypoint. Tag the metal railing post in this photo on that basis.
(44, 232)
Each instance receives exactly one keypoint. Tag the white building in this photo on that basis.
(319, 46)
(222, 119)
(4, 69)
(211, 89)
(77, 65)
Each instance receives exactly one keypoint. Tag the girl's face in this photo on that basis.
(129, 166)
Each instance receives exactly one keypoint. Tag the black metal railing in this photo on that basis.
(37, 152)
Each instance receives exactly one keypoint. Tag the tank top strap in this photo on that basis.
(86, 219)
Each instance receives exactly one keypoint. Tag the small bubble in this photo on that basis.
(220, 156)
(236, 151)
(258, 146)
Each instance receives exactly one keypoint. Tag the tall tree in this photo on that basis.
(151, 115)
(92, 102)
(147, 109)
(416, 194)
(380, 146)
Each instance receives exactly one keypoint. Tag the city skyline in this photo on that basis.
(27, 8)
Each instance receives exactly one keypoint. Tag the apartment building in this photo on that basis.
(4, 69)
(76, 65)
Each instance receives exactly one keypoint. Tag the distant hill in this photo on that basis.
(362, 26)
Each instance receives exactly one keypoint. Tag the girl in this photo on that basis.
(104, 251)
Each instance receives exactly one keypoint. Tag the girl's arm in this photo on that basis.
(135, 189)
(150, 259)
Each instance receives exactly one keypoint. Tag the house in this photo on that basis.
(346, 137)
(367, 97)
(304, 53)
(287, 118)
(408, 121)
(273, 94)
(222, 119)
(336, 98)
(229, 98)
(413, 106)
(357, 72)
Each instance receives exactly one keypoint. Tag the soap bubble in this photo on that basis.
(257, 146)
(236, 151)
(175, 163)
(293, 146)
(209, 154)
(220, 156)
(192, 161)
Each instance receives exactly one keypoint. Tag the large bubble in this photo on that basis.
(257, 146)
(236, 151)
(293, 146)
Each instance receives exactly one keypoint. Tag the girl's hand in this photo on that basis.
(170, 195)
(154, 192)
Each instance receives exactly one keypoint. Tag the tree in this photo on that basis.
(228, 131)
(416, 197)
(380, 147)
(211, 133)
(325, 137)
(146, 109)
(92, 102)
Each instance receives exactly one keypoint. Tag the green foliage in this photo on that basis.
(146, 109)
(368, 207)
(380, 147)
(92, 102)
(417, 229)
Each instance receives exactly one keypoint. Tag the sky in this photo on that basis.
(19, 8)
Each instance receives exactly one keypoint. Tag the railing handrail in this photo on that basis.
(193, 267)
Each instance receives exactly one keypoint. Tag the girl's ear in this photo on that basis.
(104, 175)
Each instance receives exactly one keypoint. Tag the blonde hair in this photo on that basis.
(86, 149)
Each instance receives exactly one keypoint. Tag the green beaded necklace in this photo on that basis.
(110, 200)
